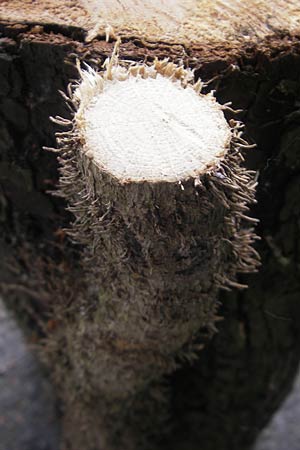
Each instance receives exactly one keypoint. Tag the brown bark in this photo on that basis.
(224, 398)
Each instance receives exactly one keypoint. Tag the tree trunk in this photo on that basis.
(115, 331)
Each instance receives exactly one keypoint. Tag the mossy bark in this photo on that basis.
(227, 395)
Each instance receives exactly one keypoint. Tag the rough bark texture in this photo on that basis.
(226, 396)
(157, 249)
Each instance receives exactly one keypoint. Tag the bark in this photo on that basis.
(224, 397)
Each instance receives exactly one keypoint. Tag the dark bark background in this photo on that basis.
(246, 370)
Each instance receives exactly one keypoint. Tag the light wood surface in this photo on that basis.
(187, 22)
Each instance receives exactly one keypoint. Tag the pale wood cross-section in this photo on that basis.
(187, 22)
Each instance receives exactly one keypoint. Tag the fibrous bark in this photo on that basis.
(229, 391)
(162, 221)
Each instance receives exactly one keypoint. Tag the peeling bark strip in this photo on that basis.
(155, 182)
(223, 394)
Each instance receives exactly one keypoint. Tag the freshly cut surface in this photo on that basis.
(154, 129)
(187, 22)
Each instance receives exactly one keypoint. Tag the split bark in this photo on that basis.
(249, 365)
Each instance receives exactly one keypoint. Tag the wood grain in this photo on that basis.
(188, 22)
